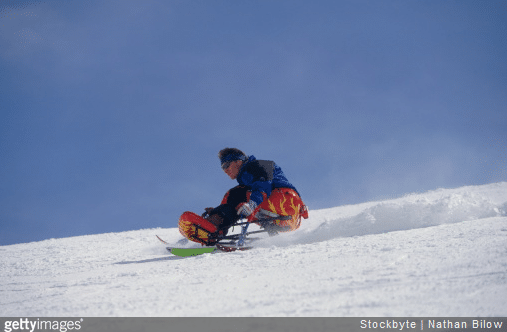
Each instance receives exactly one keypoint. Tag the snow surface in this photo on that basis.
(440, 253)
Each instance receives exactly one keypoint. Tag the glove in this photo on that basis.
(246, 209)
(208, 211)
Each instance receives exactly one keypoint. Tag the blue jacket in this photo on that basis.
(262, 176)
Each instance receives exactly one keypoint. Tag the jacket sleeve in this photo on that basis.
(259, 177)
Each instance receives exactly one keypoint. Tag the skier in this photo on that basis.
(262, 189)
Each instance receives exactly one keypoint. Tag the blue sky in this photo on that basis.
(113, 112)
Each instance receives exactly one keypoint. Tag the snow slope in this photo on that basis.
(440, 253)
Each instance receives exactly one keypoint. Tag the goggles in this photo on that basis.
(226, 165)
(227, 160)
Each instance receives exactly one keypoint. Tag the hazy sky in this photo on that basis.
(113, 112)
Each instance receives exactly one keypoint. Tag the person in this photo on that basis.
(257, 179)
(262, 189)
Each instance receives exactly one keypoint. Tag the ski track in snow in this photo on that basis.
(440, 253)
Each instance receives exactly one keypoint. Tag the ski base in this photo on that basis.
(187, 252)
(224, 248)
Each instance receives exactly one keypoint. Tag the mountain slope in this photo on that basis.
(441, 253)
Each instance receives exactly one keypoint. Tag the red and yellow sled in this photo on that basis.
(283, 211)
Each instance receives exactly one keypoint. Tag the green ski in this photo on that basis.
(186, 252)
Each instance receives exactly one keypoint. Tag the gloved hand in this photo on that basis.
(208, 211)
(246, 209)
